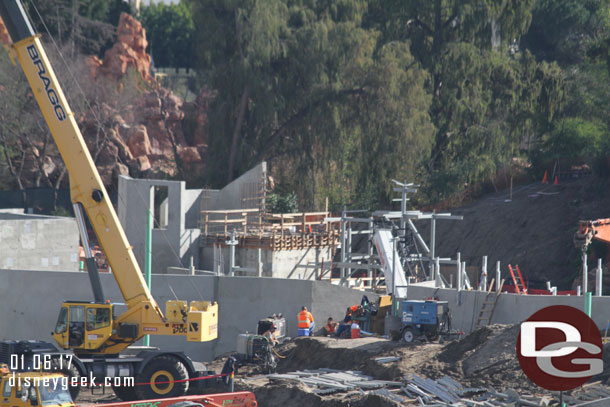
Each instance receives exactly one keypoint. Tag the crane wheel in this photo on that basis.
(166, 377)
(70, 371)
(125, 393)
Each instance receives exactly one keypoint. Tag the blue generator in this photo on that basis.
(429, 318)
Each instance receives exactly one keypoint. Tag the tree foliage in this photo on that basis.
(170, 31)
(304, 85)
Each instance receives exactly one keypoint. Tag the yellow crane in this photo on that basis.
(91, 330)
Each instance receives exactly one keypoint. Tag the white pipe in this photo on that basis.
(458, 275)
(483, 283)
(585, 274)
(598, 278)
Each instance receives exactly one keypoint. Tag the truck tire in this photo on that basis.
(125, 393)
(156, 373)
(69, 371)
(408, 335)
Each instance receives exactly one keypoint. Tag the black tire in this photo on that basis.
(125, 393)
(408, 335)
(70, 371)
(161, 369)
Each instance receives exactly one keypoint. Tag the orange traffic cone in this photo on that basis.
(556, 180)
(545, 179)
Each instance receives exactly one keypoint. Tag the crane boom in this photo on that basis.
(143, 316)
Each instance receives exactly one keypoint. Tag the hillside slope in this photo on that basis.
(534, 230)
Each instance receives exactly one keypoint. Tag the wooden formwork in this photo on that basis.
(275, 231)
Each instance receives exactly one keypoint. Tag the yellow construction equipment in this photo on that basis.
(92, 330)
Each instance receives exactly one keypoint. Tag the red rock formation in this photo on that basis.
(128, 52)
(128, 132)
(4, 37)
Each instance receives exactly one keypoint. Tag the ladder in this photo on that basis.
(489, 306)
(521, 288)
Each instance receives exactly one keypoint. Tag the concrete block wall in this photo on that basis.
(511, 308)
(37, 242)
(242, 302)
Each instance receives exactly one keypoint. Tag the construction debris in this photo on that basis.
(325, 381)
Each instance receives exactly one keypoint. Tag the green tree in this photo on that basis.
(88, 25)
(169, 30)
(303, 85)
(488, 98)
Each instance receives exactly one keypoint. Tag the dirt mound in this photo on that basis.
(289, 394)
(341, 354)
(534, 230)
(485, 358)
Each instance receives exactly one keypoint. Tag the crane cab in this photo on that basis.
(83, 325)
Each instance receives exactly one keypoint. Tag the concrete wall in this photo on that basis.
(230, 197)
(511, 308)
(278, 264)
(242, 302)
(173, 245)
(37, 242)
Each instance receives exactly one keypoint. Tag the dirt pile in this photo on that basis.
(534, 230)
(483, 359)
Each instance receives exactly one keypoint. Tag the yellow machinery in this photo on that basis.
(91, 329)
(34, 389)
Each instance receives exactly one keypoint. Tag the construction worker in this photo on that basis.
(305, 320)
(330, 326)
(270, 335)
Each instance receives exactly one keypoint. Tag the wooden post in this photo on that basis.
(282, 224)
(245, 221)
(205, 226)
(303, 224)
(226, 219)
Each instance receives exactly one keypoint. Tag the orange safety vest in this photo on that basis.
(304, 319)
(330, 327)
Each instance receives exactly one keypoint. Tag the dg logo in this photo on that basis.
(560, 348)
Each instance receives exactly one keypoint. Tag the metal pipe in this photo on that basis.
(394, 267)
(343, 243)
(94, 275)
(148, 250)
(437, 272)
(498, 275)
(458, 276)
(349, 247)
(598, 278)
(433, 240)
(483, 283)
(585, 274)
